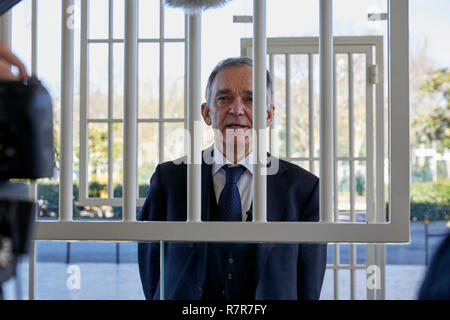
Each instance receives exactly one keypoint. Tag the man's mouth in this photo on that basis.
(237, 126)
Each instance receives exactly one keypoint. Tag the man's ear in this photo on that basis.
(205, 114)
(270, 115)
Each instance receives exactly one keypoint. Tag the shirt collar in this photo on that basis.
(220, 160)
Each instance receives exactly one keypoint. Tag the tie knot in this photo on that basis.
(233, 174)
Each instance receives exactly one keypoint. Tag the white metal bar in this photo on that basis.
(380, 260)
(84, 91)
(161, 131)
(32, 249)
(140, 40)
(186, 77)
(370, 201)
(351, 126)
(33, 183)
(399, 116)
(352, 272)
(110, 100)
(380, 196)
(161, 81)
(194, 168)
(336, 246)
(34, 38)
(130, 111)
(311, 110)
(146, 120)
(288, 103)
(352, 169)
(326, 110)
(5, 28)
(259, 110)
(218, 231)
(115, 202)
(370, 261)
(272, 141)
(336, 267)
(335, 136)
(66, 125)
(347, 267)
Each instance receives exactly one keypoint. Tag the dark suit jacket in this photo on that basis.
(284, 271)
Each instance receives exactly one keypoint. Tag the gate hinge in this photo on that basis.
(373, 74)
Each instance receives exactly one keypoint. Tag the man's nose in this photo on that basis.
(237, 107)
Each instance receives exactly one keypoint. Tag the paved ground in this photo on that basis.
(102, 278)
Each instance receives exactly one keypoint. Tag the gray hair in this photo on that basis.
(236, 62)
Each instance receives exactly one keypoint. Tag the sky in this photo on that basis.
(429, 21)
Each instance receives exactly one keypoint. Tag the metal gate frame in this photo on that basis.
(374, 77)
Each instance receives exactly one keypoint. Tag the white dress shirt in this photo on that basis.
(244, 184)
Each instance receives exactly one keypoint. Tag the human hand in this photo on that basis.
(8, 58)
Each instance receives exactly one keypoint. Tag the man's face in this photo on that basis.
(230, 112)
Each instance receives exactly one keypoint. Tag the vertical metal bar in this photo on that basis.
(32, 249)
(380, 196)
(288, 104)
(335, 191)
(380, 250)
(399, 152)
(161, 130)
(351, 104)
(34, 38)
(326, 110)
(194, 167)
(66, 126)
(5, 28)
(186, 77)
(110, 100)
(335, 135)
(161, 81)
(369, 143)
(352, 170)
(161, 271)
(272, 125)
(336, 263)
(33, 183)
(130, 110)
(84, 90)
(259, 109)
(311, 110)
(370, 261)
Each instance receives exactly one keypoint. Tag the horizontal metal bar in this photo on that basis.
(317, 158)
(143, 40)
(314, 41)
(114, 202)
(314, 232)
(346, 266)
(139, 120)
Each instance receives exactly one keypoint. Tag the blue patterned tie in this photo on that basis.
(229, 206)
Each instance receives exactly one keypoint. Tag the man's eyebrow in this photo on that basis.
(222, 91)
(249, 92)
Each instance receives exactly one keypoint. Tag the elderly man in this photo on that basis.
(218, 271)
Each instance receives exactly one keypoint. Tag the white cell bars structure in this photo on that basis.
(374, 230)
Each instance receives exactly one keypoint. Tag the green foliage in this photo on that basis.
(428, 197)
(435, 127)
(431, 192)
(360, 184)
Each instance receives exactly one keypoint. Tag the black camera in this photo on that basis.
(26, 130)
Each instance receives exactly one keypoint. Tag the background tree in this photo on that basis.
(434, 127)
